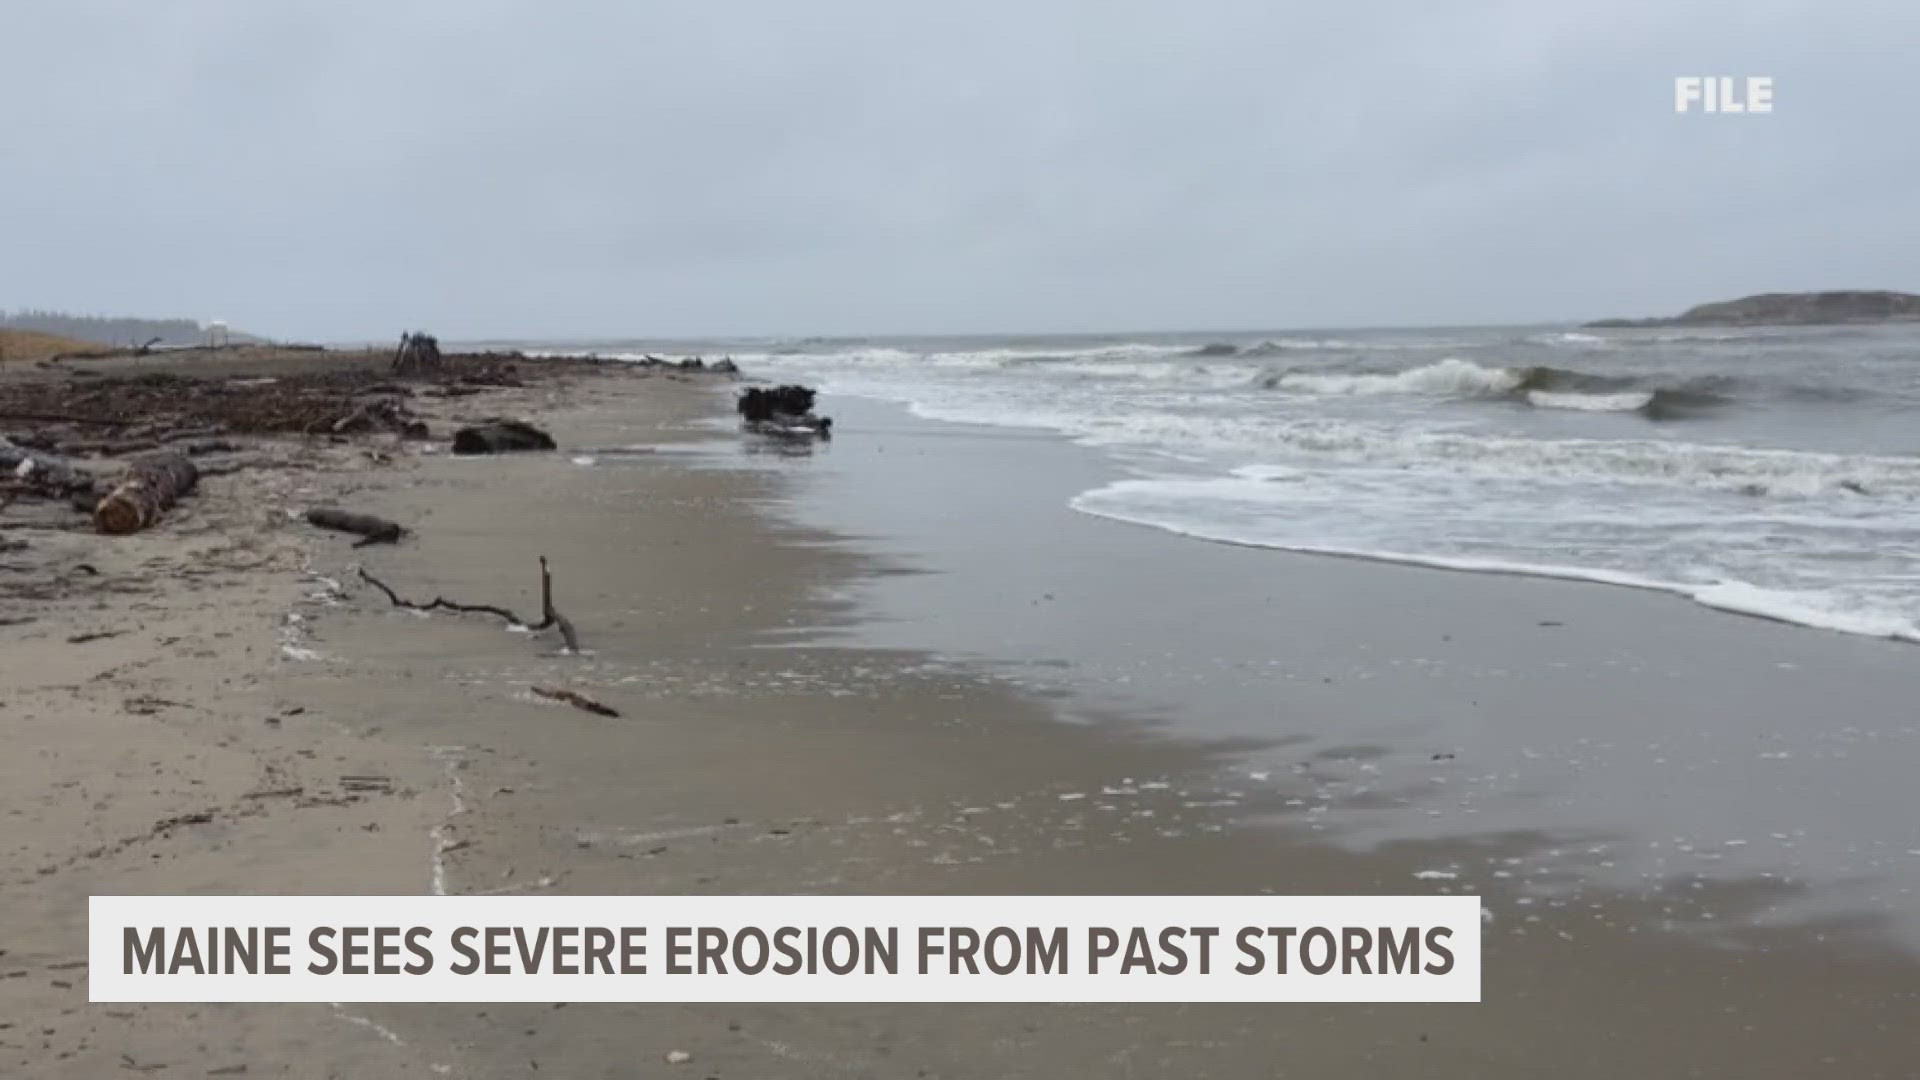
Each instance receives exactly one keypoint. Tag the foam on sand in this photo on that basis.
(1145, 502)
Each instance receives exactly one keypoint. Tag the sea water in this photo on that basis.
(1773, 472)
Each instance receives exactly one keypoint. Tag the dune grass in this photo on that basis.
(33, 345)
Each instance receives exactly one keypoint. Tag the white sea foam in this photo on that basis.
(1627, 401)
(1428, 462)
(1449, 376)
(1569, 338)
(1806, 609)
(1168, 504)
(1352, 345)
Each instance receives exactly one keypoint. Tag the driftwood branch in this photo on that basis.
(577, 700)
(441, 602)
(549, 617)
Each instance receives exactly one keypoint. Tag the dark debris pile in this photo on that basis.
(118, 410)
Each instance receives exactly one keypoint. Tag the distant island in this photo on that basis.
(1790, 309)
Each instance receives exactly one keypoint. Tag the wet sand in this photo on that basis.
(766, 745)
(1647, 740)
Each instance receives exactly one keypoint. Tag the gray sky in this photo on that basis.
(347, 168)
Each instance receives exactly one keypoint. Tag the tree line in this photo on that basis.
(104, 329)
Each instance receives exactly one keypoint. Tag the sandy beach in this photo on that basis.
(261, 721)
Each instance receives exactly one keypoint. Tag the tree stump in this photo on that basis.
(764, 403)
(141, 494)
(418, 354)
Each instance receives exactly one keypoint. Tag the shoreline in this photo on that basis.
(756, 753)
(1645, 739)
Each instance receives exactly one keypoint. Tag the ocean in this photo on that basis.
(1564, 739)
(1772, 472)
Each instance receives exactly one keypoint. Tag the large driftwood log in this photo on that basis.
(144, 492)
(372, 530)
(501, 436)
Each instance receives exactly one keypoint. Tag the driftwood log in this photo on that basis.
(500, 436)
(47, 476)
(549, 617)
(371, 529)
(144, 492)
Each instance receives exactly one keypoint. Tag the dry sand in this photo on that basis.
(206, 748)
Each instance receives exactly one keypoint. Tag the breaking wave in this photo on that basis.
(1570, 339)
(1539, 386)
(1627, 401)
(1449, 376)
(1786, 491)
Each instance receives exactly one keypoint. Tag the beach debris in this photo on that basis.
(113, 415)
(577, 700)
(371, 529)
(275, 793)
(147, 704)
(380, 414)
(40, 474)
(550, 618)
(678, 1057)
(782, 412)
(382, 785)
(768, 403)
(418, 354)
(144, 492)
(499, 436)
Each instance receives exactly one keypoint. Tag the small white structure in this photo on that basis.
(216, 334)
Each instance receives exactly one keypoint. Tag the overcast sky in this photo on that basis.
(336, 169)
